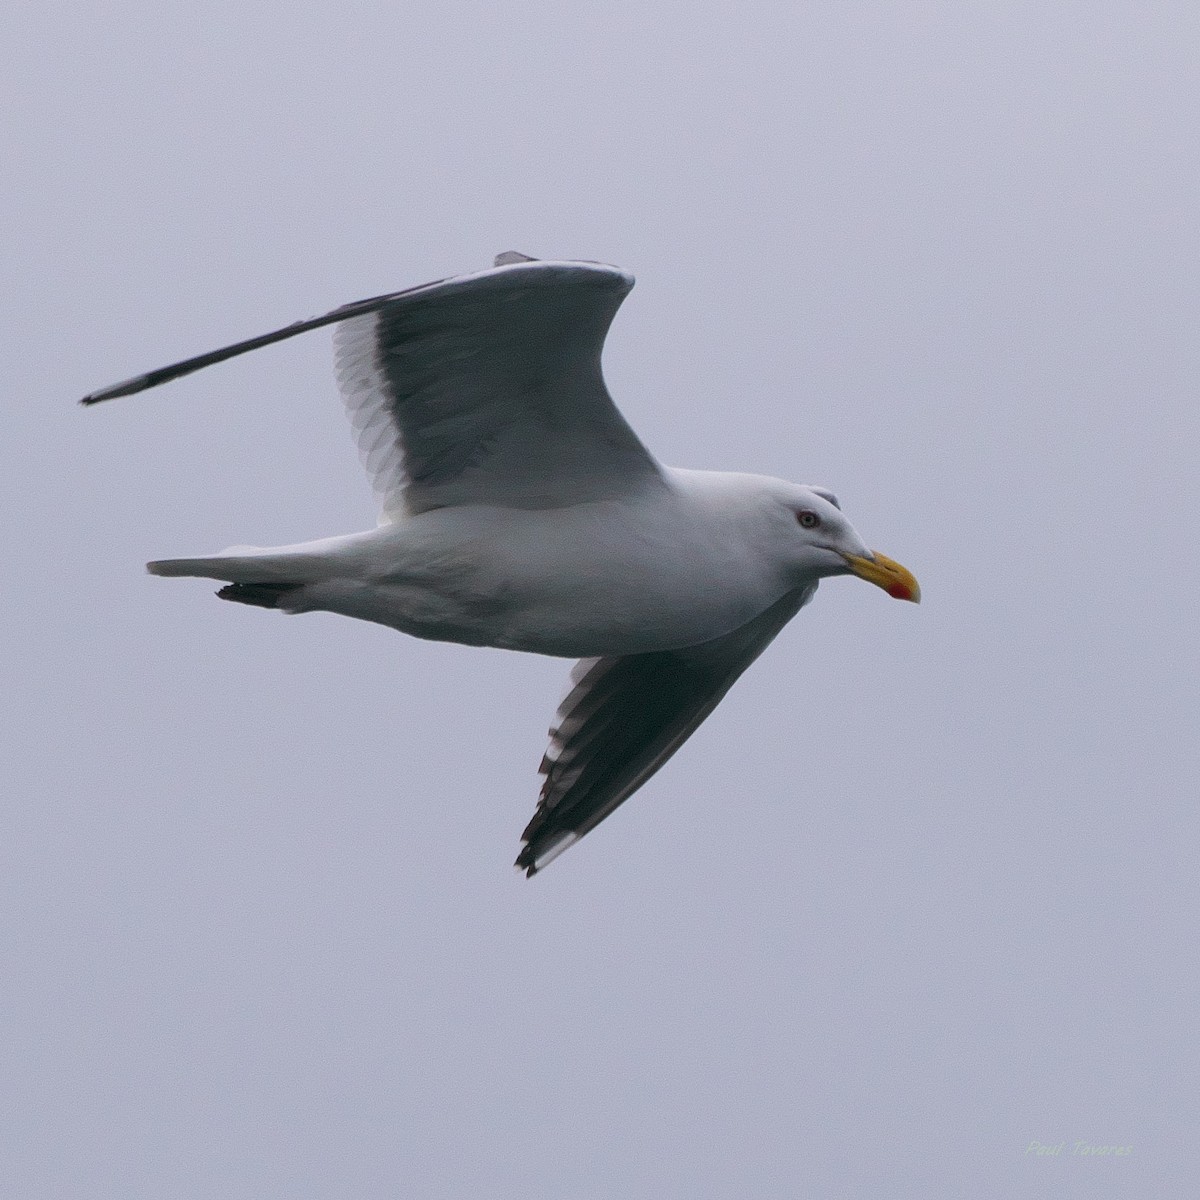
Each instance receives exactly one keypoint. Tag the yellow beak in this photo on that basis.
(886, 573)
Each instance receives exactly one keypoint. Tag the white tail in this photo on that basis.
(241, 564)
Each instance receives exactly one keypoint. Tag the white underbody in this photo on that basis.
(659, 569)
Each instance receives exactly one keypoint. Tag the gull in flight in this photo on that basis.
(519, 510)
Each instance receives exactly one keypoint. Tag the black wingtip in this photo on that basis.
(261, 595)
(127, 387)
(511, 257)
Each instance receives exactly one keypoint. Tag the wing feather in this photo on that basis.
(490, 390)
(624, 717)
(480, 389)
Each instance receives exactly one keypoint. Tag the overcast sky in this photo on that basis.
(921, 893)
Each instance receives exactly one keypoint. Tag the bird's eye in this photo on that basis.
(808, 518)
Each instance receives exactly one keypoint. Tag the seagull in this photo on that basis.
(518, 509)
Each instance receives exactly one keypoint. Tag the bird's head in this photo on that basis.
(823, 542)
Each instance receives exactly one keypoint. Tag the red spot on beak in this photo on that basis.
(900, 591)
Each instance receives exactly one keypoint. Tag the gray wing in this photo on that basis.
(624, 717)
(481, 389)
(487, 389)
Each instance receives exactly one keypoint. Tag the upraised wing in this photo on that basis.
(624, 717)
(480, 389)
(487, 389)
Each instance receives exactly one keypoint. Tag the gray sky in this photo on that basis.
(920, 893)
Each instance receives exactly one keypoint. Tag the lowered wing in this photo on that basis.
(624, 717)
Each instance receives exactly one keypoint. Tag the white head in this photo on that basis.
(820, 542)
